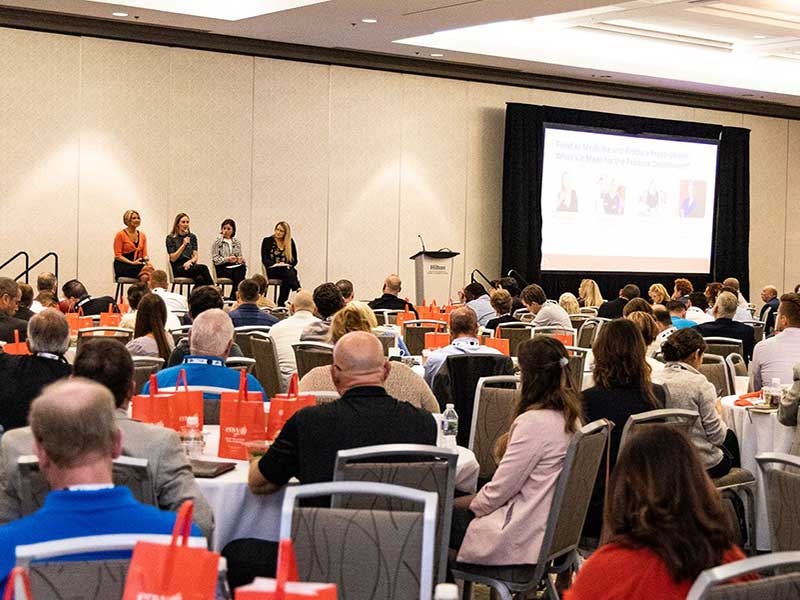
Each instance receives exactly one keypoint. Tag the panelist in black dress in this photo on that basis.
(279, 257)
(182, 250)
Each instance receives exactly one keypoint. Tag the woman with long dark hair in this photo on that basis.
(665, 524)
(503, 524)
(622, 387)
(226, 254)
(150, 337)
(182, 250)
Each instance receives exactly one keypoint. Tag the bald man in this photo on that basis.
(769, 296)
(390, 300)
(365, 415)
(287, 332)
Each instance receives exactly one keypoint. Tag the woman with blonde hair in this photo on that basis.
(569, 303)
(589, 294)
(279, 257)
(658, 294)
(130, 250)
(402, 383)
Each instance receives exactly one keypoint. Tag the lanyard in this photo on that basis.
(199, 360)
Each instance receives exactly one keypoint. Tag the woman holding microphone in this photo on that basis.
(182, 250)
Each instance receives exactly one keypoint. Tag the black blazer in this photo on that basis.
(9, 324)
(23, 378)
(612, 309)
(266, 246)
(95, 306)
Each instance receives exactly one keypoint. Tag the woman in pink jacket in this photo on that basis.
(504, 523)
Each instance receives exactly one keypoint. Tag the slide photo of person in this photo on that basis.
(567, 197)
(652, 200)
(612, 196)
(693, 199)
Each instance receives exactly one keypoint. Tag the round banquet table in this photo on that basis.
(239, 514)
(758, 432)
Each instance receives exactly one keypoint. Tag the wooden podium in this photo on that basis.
(433, 276)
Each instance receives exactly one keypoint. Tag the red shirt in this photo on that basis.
(615, 572)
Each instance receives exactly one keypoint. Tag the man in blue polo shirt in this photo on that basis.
(210, 340)
(76, 439)
(248, 313)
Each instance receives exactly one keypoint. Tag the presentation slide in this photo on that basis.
(623, 203)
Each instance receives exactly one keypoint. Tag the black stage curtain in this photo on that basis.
(522, 214)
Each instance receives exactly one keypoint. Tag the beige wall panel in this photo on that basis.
(486, 116)
(124, 151)
(290, 160)
(434, 173)
(792, 267)
(366, 138)
(717, 117)
(211, 135)
(768, 164)
(39, 116)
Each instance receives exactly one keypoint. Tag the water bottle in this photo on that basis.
(446, 591)
(449, 426)
(773, 393)
(192, 437)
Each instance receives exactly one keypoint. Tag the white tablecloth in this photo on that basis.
(757, 433)
(238, 513)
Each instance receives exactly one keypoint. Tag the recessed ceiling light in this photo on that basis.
(759, 36)
(437, 55)
(369, 20)
(119, 14)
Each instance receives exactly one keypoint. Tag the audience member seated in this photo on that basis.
(589, 295)
(663, 320)
(677, 314)
(263, 301)
(23, 377)
(75, 438)
(149, 337)
(306, 447)
(776, 356)
(504, 523)
(107, 362)
(547, 314)
(328, 300)
(683, 287)
(787, 411)
(724, 325)
(649, 330)
(24, 311)
(464, 336)
(202, 298)
(711, 292)
(502, 304)
(402, 383)
(665, 521)
(134, 295)
(510, 285)
(158, 285)
(46, 283)
(688, 388)
(79, 300)
(697, 310)
(247, 312)
(769, 296)
(622, 387)
(612, 309)
(658, 294)
(390, 300)
(210, 341)
(287, 332)
(569, 303)
(742, 311)
(476, 298)
(346, 288)
(637, 305)
(10, 295)
(46, 300)
(733, 283)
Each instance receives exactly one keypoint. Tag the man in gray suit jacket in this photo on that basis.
(109, 362)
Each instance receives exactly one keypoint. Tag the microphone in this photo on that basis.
(422, 242)
(472, 276)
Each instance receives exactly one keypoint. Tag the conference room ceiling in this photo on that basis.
(743, 49)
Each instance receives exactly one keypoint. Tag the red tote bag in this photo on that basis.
(241, 420)
(168, 409)
(175, 570)
(16, 347)
(283, 406)
(18, 577)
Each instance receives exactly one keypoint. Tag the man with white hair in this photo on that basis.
(76, 438)
(210, 341)
(724, 326)
(23, 377)
(287, 332)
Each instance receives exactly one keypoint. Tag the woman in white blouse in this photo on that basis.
(226, 254)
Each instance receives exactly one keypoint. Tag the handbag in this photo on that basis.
(168, 409)
(16, 347)
(241, 420)
(283, 406)
(18, 576)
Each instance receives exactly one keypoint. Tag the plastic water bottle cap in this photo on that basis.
(446, 406)
(446, 591)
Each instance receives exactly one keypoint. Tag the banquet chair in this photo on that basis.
(715, 369)
(143, 367)
(779, 579)
(181, 282)
(736, 364)
(588, 331)
(558, 552)
(127, 470)
(371, 553)
(267, 370)
(523, 314)
(722, 346)
(241, 363)
(679, 418)
(220, 282)
(589, 310)
(414, 333)
(417, 466)
(387, 316)
(492, 415)
(578, 320)
(119, 334)
(275, 284)
(758, 329)
(515, 332)
(782, 490)
(180, 333)
(577, 365)
(241, 335)
(309, 355)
